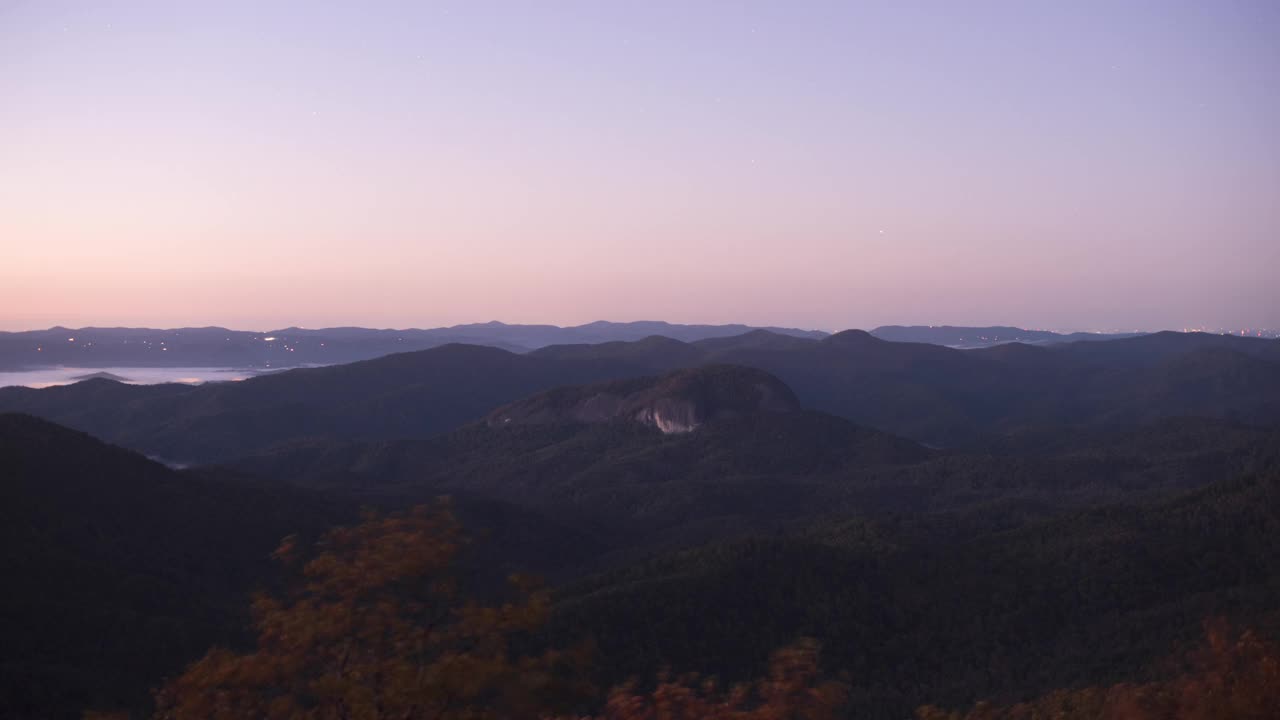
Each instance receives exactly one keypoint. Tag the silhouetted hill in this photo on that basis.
(646, 355)
(101, 376)
(117, 570)
(755, 340)
(602, 331)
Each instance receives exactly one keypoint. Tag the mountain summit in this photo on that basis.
(674, 403)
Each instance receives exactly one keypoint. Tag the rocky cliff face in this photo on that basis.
(675, 403)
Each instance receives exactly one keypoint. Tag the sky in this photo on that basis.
(1084, 165)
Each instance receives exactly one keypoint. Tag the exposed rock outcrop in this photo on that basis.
(674, 403)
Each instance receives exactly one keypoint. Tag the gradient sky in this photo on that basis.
(817, 164)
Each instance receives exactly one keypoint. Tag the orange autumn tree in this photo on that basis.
(793, 690)
(376, 628)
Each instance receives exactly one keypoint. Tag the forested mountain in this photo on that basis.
(682, 401)
(987, 585)
(947, 397)
(950, 609)
(928, 393)
(763, 466)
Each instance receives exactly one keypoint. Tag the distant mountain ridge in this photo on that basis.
(976, 337)
(94, 347)
(294, 346)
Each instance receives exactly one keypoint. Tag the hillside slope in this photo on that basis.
(950, 608)
(118, 570)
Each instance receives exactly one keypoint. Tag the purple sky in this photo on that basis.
(819, 164)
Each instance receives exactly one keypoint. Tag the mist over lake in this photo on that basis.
(50, 376)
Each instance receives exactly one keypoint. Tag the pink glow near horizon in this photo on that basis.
(1100, 165)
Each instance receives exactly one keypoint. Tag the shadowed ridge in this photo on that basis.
(1152, 348)
(369, 378)
(118, 570)
(866, 348)
(852, 338)
(29, 442)
(655, 353)
(448, 351)
(757, 340)
(1011, 350)
(648, 343)
(1019, 354)
(81, 398)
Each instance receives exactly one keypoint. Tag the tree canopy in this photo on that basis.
(377, 627)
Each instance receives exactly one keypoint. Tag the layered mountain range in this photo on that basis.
(295, 347)
(931, 394)
(953, 525)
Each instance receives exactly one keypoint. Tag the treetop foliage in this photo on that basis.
(377, 627)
